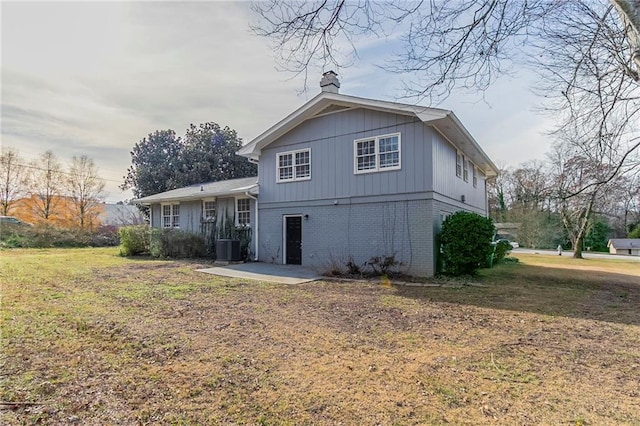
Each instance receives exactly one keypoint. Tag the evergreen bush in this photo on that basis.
(176, 244)
(47, 235)
(134, 240)
(466, 243)
(503, 248)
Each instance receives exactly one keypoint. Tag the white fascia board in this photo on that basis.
(252, 149)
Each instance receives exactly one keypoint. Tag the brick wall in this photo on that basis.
(335, 234)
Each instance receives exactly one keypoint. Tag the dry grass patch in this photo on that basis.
(93, 338)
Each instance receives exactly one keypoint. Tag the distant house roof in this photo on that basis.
(624, 243)
(204, 190)
(443, 120)
(120, 214)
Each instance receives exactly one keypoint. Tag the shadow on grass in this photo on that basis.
(586, 294)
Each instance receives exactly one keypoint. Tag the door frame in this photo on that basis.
(284, 236)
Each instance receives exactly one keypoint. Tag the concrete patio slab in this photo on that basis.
(283, 274)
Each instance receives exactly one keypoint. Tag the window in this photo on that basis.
(208, 210)
(377, 154)
(459, 164)
(243, 211)
(294, 165)
(465, 170)
(171, 215)
(475, 177)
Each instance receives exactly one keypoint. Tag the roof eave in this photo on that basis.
(146, 201)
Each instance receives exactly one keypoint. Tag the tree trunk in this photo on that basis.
(577, 246)
(583, 220)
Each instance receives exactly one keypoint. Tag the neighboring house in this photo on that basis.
(120, 215)
(197, 207)
(343, 179)
(508, 230)
(624, 246)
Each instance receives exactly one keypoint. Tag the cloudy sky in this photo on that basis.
(87, 78)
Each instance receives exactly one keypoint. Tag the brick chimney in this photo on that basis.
(329, 82)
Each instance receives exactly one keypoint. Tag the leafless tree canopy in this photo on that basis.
(45, 182)
(446, 45)
(85, 188)
(12, 180)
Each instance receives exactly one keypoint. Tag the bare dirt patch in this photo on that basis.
(147, 342)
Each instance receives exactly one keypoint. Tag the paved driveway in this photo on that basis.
(585, 254)
(284, 274)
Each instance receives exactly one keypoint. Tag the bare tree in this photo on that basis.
(11, 179)
(530, 186)
(522, 196)
(45, 184)
(85, 189)
(598, 108)
(465, 44)
(497, 192)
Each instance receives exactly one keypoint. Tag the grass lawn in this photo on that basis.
(91, 338)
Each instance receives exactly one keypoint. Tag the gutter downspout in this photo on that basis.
(257, 215)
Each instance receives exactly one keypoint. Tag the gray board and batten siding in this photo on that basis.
(191, 212)
(427, 159)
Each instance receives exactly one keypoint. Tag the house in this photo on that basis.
(624, 246)
(198, 208)
(120, 215)
(508, 230)
(343, 179)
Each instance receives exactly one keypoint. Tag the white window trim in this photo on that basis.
(171, 215)
(459, 161)
(377, 154)
(237, 215)
(209, 200)
(475, 176)
(293, 157)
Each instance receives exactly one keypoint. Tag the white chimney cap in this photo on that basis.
(329, 82)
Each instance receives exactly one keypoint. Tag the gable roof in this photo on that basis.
(624, 243)
(203, 190)
(444, 121)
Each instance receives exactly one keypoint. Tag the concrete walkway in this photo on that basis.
(283, 274)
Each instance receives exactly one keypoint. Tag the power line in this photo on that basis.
(30, 166)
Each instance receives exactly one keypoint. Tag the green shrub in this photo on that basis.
(134, 240)
(466, 243)
(104, 236)
(46, 235)
(503, 248)
(176, 244)
(243, 233)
